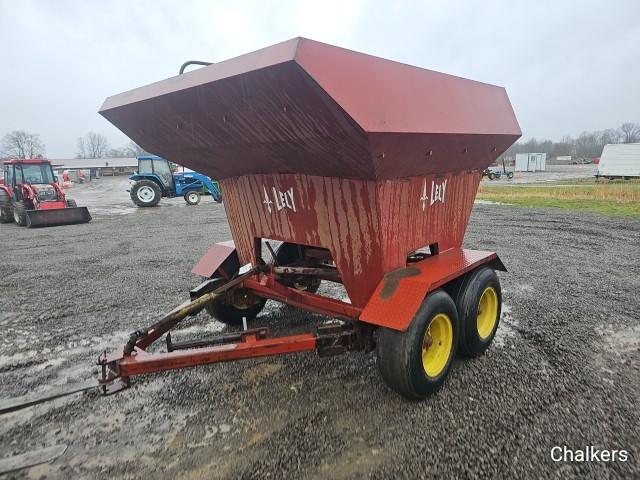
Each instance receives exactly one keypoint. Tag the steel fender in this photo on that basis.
(399, 294)
(215, 257)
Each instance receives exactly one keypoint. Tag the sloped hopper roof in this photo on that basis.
(306, 107)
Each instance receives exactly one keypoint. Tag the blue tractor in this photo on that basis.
(155, 179)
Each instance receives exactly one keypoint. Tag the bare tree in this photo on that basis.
(117, 152)
(93, 145)
(610, 135)
(135, 150)
(588, 144)
(21, 144)
(630, 132)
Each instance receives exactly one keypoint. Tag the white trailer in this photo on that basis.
(531, 162)
(620, 161)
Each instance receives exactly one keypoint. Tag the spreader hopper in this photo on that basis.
(330, 148)
(366, 170)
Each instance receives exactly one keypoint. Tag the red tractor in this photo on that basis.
(31, 196)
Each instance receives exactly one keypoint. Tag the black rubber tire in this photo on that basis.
(5, 199)
(19, 214)
(510, 175)
(399, 354)
(189, 202)
(470, 344)
(288, 253)
(232, 315)
(492, 176)
(146, 183)
(71, 203)
(6, 215)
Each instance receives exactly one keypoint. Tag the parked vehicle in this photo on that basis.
(619, 161)
(31, 196)
(494, 174)
(155, 179)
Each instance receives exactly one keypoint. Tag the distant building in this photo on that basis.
(531, 162)
(98, 166)
(620, 161)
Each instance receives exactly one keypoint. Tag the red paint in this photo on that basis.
(397, 310)
(140, 362)
(214, 257)
(311, 108)
(325, 147)
(369, 227)
(266, 287)
(354, 138)
(51, 205)
(28, 193)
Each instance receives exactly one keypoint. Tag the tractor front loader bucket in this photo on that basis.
(57, 216)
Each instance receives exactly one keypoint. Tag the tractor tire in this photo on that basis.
(492, 176)
(479, 305)
(510, 175)
(416, 362)
(5, 215)
(192, 197)
(146, 193)
(288, 253)
(71, 203)
(19, 214)
(5, 200)
(231, 314)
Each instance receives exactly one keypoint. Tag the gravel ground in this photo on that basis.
(563, 369)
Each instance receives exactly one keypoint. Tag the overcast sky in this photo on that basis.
(568, 66)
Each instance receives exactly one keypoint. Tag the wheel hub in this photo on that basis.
(146, 194)
(437, 345)
(487, 312)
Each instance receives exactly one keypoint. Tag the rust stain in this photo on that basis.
(368, 226)
(391, 280)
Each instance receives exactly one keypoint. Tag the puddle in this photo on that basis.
(614, 343)
(113, 210)
(33, 361)
(506, 329)
(620, 341)
(212, 326)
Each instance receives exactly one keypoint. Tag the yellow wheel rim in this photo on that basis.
(487, 312)
(437, 345)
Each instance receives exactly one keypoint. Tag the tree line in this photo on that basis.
(586, 145)
(21, 144)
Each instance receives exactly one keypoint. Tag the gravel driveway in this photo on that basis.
(564, 368)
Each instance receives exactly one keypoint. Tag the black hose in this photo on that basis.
(192, 62)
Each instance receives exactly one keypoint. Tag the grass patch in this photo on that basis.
(607, 197)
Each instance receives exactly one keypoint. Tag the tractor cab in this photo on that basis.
(157, 167)
(36, 173)
(29, 172)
